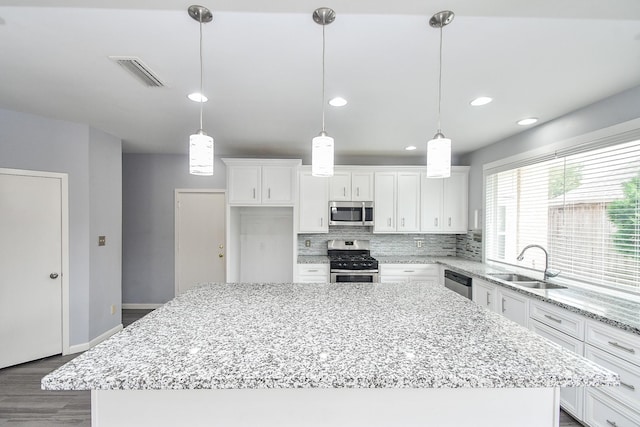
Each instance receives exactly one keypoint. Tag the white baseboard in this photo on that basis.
(141, 306)
(78, 348)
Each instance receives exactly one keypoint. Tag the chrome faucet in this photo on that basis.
(547, 273)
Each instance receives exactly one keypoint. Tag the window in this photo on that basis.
(583, 206)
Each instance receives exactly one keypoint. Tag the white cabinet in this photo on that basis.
(484, 294)
(512, 305)
(600, 410)
(347, 185)
(397, 202)
(444, 202)
(261, 182)
(313, 208)
(558, 318)
(571, 398)
(313, 273)
(406, 273)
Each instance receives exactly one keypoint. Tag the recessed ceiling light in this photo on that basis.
(197, 97)
(337, 102)
(481, 100)
(410, 148)
(527, 121)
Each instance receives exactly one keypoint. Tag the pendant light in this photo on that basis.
(439, 148)
(322, 145)
(200, 144)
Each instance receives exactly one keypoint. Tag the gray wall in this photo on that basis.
(105, 197)
(607, 112)
(149, 184)
(35, 143)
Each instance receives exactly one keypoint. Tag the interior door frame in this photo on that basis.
(175, 227)
(64, 274)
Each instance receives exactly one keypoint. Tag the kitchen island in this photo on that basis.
(325, 355)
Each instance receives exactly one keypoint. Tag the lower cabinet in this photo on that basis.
(600, 410)
(571, 398)
(513, 305)
(313, 273)
(405, 273)
(484, 294)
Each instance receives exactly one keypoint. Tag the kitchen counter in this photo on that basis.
(328, 336)
(607, 308)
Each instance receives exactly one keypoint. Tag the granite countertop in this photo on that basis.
(236, 336)
(623, 313)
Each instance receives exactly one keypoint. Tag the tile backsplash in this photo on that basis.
(467, 246)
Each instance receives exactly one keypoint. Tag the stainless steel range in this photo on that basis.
(351, 261)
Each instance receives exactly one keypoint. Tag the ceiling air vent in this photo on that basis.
(136, 67)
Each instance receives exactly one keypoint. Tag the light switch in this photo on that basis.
(102, 240)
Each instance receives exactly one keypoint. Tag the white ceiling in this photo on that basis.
(262, 65)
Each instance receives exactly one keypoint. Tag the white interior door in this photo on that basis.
(30, 268)
(200, 238)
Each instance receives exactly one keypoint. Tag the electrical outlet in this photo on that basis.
(418, 243)
(307, 243)
(113, 309)
(102, 240)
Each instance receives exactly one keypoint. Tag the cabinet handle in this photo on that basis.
(488, 301)
(254, 193)
(321, 222)
(449, 221)
(503, 302)
(312, 271)
(553, 318)
(612, 423)
(409, 271)
(269, 193)
(435, 222)
(344, 191)
(616, 345)
(403, 222)
(358, 191)
(389, 222)
(629, 386)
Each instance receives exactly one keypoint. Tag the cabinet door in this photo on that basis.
(454, 203)
(484, 294)
(431, 204)
(277, 185)
(340, 186)
(385, 202)
(408, 202)
(314, 204)
(571, 398)
(513, 306)
(244, 185)
(362, 186)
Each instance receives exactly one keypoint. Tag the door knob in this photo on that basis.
(220, 255)
(53, 276)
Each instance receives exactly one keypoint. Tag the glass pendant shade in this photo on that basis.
(439, 157)
(322, 155)
(200, 154)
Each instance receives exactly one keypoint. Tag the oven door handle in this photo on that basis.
(355, 272)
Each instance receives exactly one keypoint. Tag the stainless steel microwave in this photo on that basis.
(351, 213)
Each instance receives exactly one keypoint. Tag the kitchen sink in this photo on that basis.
(538, 285)
(511, 277)
(524, 281)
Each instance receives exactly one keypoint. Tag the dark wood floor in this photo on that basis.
(23, 404)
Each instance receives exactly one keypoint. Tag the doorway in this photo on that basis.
(199, 238)
(34, 265)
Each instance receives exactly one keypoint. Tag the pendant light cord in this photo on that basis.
(323, 78)
(201, 73)
(440, 82)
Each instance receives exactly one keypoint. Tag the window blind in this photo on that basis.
(583, 207)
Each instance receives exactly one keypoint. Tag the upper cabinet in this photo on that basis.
(397, 202)
(261, 181)
(444, 202)
(347, 185)
(313, 203)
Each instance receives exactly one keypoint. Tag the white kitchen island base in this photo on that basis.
(313, 407)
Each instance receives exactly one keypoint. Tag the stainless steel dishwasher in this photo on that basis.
(458, 283)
